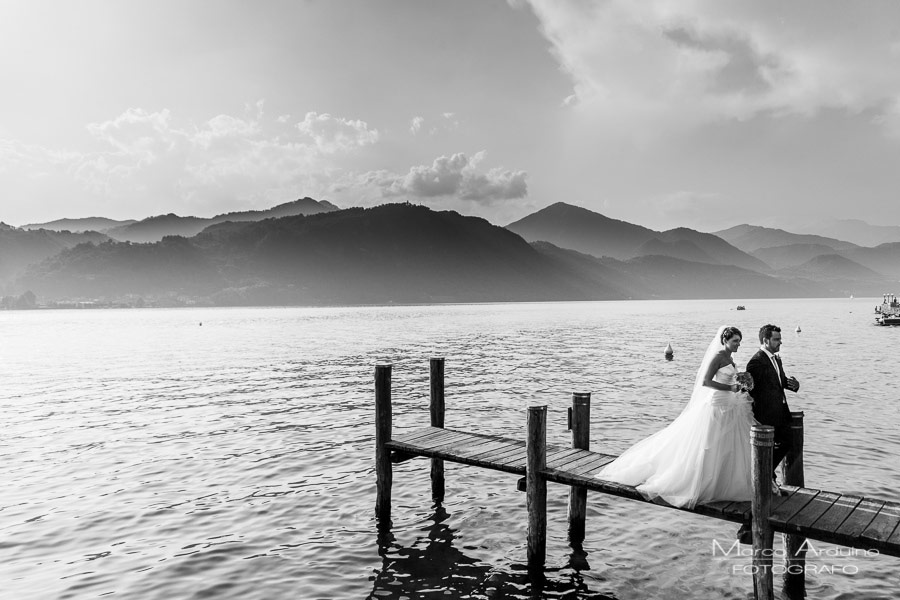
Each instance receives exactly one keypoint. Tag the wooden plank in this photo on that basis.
(557, 455)
(894, 540)
(859, 519)
(879, 531)
(439, 439)
(738, 511)
(476, 451)
(561, 461)
(410, 435)
(576, 463)
(714, 508)
(803, 520)
(592, 483)
(488, 460)
(588, 469)
(461, 453)
(434, 444)
(449, 436)
(724, 509)
(411, 448)
(422, 435)
(790, 507)
(502, 452)
(777, 501)
(832, 518)
(442, 453)
(474, 445)
(572, 466)
(456, 445)
(513, 462)
(434, 433)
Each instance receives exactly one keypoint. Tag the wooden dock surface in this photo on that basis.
(848, 520)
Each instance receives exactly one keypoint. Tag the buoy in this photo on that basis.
(201, 323)
(798, 329)
(669, 351)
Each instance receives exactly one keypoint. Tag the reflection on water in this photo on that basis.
(432, 566)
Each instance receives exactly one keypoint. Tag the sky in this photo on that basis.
(698, 113)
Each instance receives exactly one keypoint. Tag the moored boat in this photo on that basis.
(889, 311)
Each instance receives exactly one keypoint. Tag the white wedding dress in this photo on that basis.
(702, 456)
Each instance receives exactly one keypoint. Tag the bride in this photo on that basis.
(704, 454)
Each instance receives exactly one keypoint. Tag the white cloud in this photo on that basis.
(451, 176)
(659, 65)
(334, 134)
(445, 122)
(227, 162)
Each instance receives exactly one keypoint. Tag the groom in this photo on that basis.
(769, 382)
(769, 402)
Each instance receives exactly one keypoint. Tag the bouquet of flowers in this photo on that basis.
(745, 380)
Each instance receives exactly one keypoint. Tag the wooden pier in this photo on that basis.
(803, 513)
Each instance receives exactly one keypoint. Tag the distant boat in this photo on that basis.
(889, 311)
(669, 351)
(798, 329)
(741, 307)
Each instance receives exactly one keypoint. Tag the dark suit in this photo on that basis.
(769, 403)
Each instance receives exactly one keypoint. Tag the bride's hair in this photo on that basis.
(730, 332)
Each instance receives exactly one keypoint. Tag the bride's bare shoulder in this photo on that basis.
(719, 360)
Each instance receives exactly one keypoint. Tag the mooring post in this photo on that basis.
(536, 486)
(437, 420)
(581, 438)
(762, 440)
(794, 579)
(383, 472)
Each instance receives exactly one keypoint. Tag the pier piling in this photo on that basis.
(536, 486)
(581, 438)
(762, 440)
(437, 420)
(794, 579)
(383, 469)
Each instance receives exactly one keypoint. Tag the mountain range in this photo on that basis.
(153, 229)
(404, 253)
(579, 229)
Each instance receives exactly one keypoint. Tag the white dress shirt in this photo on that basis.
(774, 362)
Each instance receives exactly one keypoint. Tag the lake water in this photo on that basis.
(228, 453)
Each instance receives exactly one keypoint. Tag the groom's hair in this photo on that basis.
(766, 331)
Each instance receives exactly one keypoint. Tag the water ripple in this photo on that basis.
(153, 458)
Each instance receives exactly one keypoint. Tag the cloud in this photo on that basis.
(451, 176)
(334, 134)
(227, 162)
(445, 122)
(658, 65)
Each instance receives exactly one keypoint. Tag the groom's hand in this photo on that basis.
(793, 384)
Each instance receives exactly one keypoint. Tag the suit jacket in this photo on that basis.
(769, 403)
